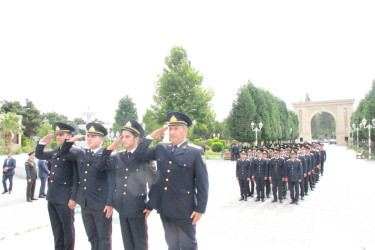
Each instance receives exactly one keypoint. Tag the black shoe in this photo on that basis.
(42, 197)
(29, 200)
(245, 198)
(241, 198)
(268, 196)
(10, 192)
(275, 200)
(257, 199)
(34, 199)
(251, 195)
(292, 202)
(281, 201)
(262, 199)
(4, 192)
(306, 194)
(296, 202)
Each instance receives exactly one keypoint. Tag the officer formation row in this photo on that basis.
(296, 167)
(100, 179)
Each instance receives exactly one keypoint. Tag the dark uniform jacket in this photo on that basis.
(243, 169)
(42, 169)
(11, 165)
(277, 168)
(182, 180)
(130, 182)
(304, 163)
(62, 184)
(95, 188)
(308, 162)
(323, 156)
(260, 167)
(30, 168)
(294, 170)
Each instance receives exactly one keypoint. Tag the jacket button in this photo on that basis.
(84, 179)
(51, 181)
(168, 171)
(53, 172)
(142, 194)
(170, 162)
(85, 172)
(126, 169)
(184, 165)
(165, 188)
(55, 166)
(88, 164)
(64, 183)
(166, 179)
(124, 193)
(126, 177)
(136, 170)
(125, 185)
(188, 192)
(85, 188)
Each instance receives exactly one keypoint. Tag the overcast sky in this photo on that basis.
(66, 56)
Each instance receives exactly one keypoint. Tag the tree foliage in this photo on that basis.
(323, 126)
(9, 124)
(54, 117)
(180, 89)
(257, 105)
(126, 109)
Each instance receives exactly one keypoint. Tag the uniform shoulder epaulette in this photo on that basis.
(194, 146)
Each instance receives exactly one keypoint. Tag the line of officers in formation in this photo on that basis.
(100, 179)
(296, 167)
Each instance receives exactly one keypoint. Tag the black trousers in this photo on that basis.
(30, 190)
(134, 233)
(179, 233)
(306, 182)
(42, 190)
(252, 183)
(322, 167)
(302, 187)
(311, 180)
(62, 224)
(259, 180)
(277, 188)
(5, 178)
(244, 185)
(285, 188)
(294, 190)
(268, 186)
(98, 228)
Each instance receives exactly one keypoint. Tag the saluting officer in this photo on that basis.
(276, 175)
(294, 173)
(131, 180)
(260, 173)
(243, 173)
(62, 186)
(180, 193)
(95, 188)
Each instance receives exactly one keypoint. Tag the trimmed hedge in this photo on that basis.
(217, 146)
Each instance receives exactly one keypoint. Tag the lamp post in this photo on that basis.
(256, 130)
(349, 130)
(357, 129)
(290, 134)
(369, 127)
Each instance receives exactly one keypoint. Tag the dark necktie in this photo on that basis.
(174, 148)
(129, 154)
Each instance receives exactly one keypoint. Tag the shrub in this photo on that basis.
(217, 146)
(53, 144)
(224, 143)
(209, 142)
(196, 141)
(106, 144)
(234, 141)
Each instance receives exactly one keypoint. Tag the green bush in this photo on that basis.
(209, 142)
(16, 151)
(53, 144)
(106, 144)
(217, 146)
(196, 141)
(24, 149)
(234, 141)
(224, 143)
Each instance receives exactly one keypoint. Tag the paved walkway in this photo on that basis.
(339, 214)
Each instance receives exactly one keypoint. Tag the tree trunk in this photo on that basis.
(9, 143)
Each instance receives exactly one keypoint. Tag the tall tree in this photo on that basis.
(150, 121)
(45, 129)
(54, 117)
(10, 125)
(180, 89)
(9, 106)
(31, 119)
(126, 109)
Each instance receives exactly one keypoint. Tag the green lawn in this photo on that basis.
(212, 155)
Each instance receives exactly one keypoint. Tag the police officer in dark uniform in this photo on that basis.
(62, 186)
(276, 175)
(294, 173)
(302, 158)
(267, 182)
(95, 188)
(131, 181)
(260, 173)
(323, 157)
(180, 193)
(251, 186)
(243, 174)
(31, 176)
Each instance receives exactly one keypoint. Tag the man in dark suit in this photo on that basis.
(323, 157)
(131, 180)
(243, 174)
(95, 188)
(43, 173)
(276, 175)
(31, 176)
(180, 193)
(62, 186)
(294, 175)
(260, 173)
(8, 173)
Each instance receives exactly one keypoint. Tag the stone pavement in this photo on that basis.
(339, 214)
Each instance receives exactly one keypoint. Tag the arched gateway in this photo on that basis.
(341, 110)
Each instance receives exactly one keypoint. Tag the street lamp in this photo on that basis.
(256, 130)
(357, 129)
(369, 127)
(290, 134)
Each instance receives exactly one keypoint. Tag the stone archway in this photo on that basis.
(341, 110)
